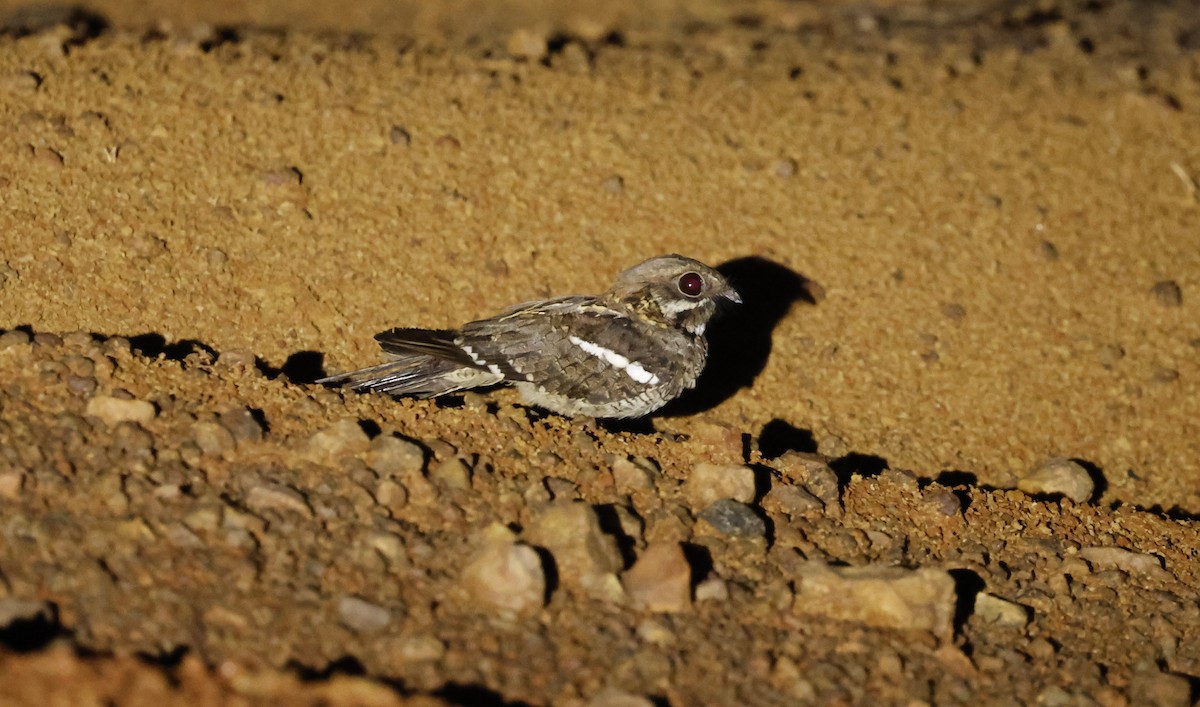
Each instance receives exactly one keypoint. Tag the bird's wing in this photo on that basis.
(577, 347)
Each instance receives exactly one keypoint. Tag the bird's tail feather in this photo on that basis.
(416, 375)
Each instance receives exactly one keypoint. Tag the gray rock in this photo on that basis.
(729, 517)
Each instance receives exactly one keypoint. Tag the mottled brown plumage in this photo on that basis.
(621, 354)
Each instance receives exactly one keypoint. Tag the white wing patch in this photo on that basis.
(480, 362)
(633, 369)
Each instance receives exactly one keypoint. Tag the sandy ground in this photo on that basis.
(968, 240)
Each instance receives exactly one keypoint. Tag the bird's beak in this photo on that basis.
(732, 295)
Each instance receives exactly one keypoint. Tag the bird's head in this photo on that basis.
(678, 291)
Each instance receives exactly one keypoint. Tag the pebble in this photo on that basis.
(1167, 293)
(1109, 354)
(730, 517)
(273, 497)
(11, 483)
(416, 649)
(1163, 374)
(631, 523)
(561, 489)
(784, 167)
(114, 411)
(712, 589)
(655, 633)
(994, 610)
(584, 555)
(391, 495)
(47, 340)
(660, 580)
(719, 442)
(21, 81)
(634, 474)
(390, 546)
(362, 616)
(392, 456)
(527, 44)
(83, 386)
(12, 609)
(506, 576)
(452, 473)
(615, 697)
(1058, 476)
(242, 424)
(212, 438)
(791, 501)
(203, 519)
(398, 135)
(216, 259)
(877, 595)
(942, 501)
(117, 346)
(81, 366)
(614, 184)
(710, 482)
(341, 439)
(1154, 688)
(953, 311)
(813, 471)
(1136, 563)
(237, 358)
(12, 338)
(181, 537)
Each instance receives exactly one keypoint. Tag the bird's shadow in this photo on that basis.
(739, 337)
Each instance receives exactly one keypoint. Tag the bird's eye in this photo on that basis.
(691, 284)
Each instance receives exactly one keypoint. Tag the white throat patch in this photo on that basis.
(633, 369)
(676, 306)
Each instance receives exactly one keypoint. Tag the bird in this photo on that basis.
(618, 355)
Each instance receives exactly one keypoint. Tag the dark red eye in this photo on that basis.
(691, 284)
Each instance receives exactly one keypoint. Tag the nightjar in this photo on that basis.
(622, 354)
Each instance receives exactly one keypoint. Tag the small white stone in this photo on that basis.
(708, 483)
(1059, 476)
(278, 498)
(994, 610)
(114, 411)
(362, 616)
